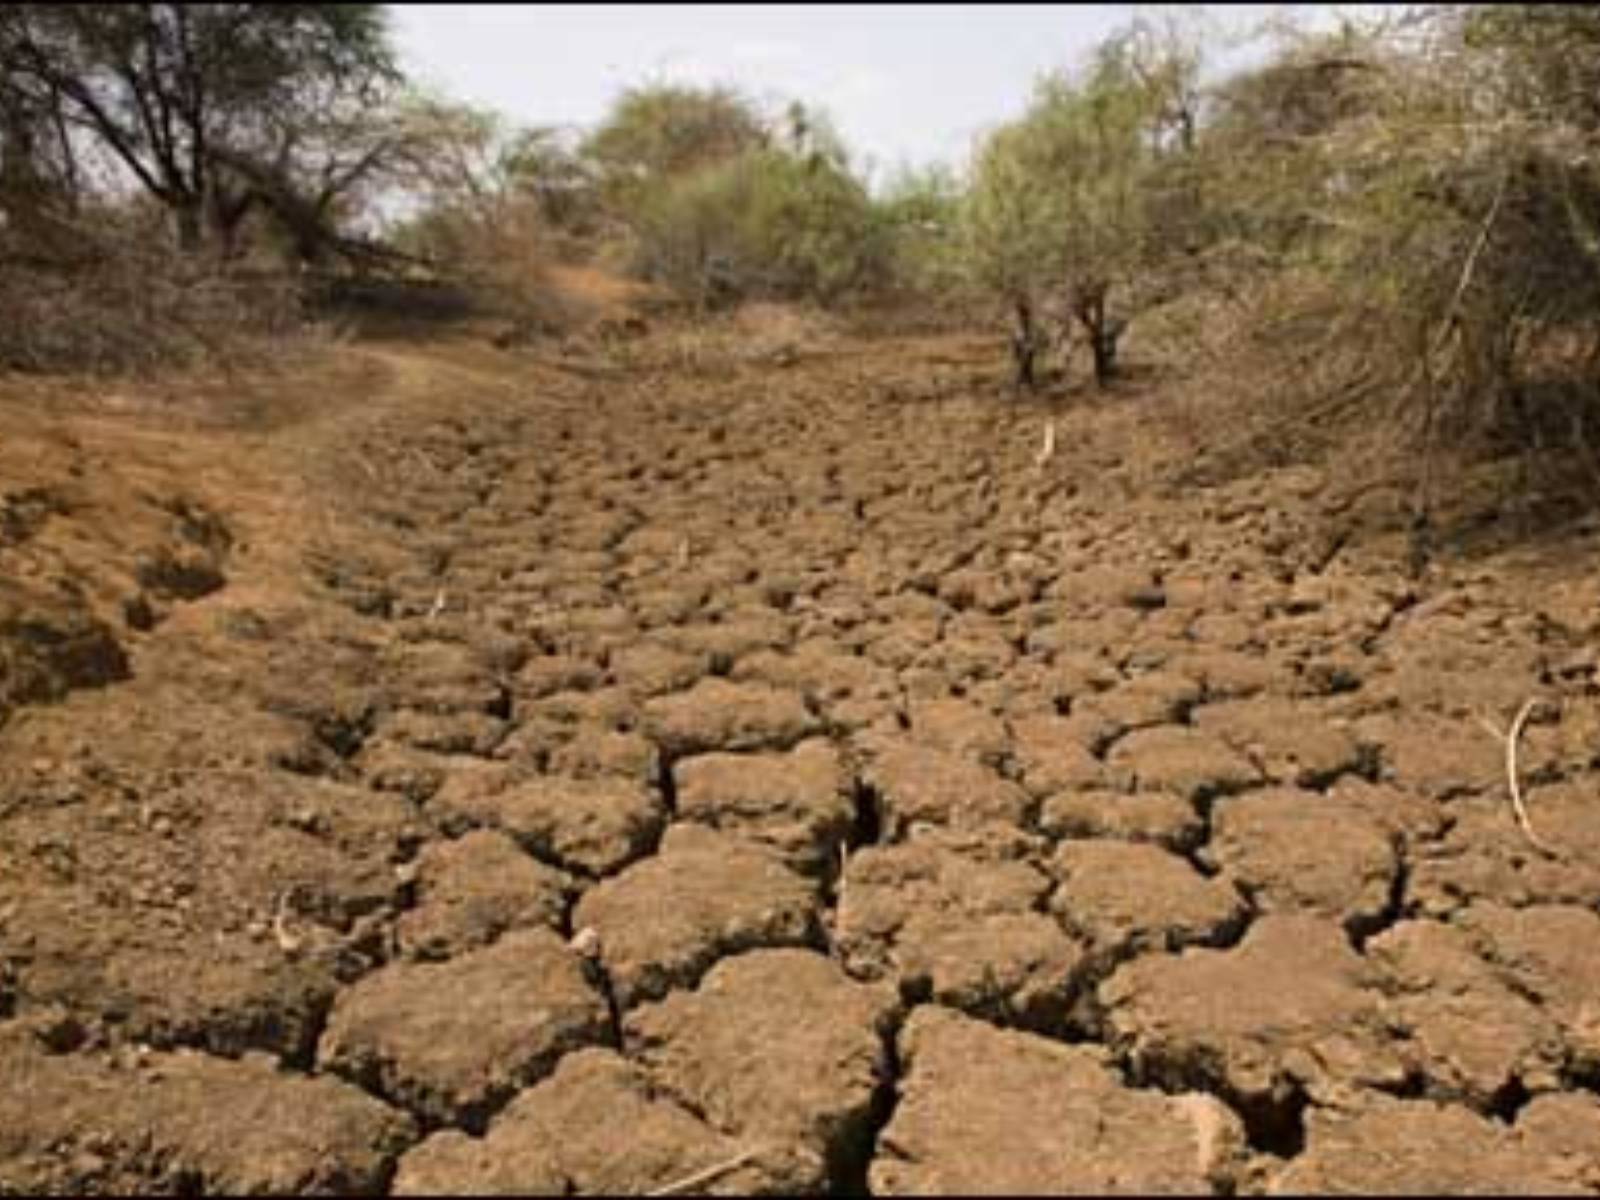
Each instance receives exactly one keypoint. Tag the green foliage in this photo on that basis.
(1066, 200)
(920, 213)
(772, 222)
(655, 135)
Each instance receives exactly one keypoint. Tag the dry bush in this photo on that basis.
(131, 306)
(761, 334)
(769, 224)
(498, 254)
(1272, 376)
(769, 329)
(1408, 287)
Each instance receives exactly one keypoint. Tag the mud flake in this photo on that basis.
(737, 1051)
(597, 1126)
(1050, 757)
(985, 1111)
(797, 803)
(474, 733)
(826, 672)
(1297, 851)
(718, 715)
(1552, 953)
(651, 669)
(1160, 817)
(920, 784)
(472, 889)
(1129, 896)
(1288, 1010)
(1290, 742)
(69, 1123)
(1153, 698)
(1010, 968)
(545, 675)
(1484, 856)
(1412, 1147)
(453, 1041)
(1563, 1130)
(594, 826)
(1468, 1035)
(1225, 674)
(898, 899)
(593, 752)
(707, 894)
(1432, 755)
(960, 728)
(1181, 760)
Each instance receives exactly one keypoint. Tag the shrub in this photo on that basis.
(130, 304)
(767, 224)
(1067, 203)
(1438, 214)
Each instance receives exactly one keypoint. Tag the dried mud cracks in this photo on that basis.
(762, 782)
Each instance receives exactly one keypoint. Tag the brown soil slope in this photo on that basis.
(740, 762)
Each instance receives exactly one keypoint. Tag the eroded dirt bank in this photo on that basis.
(500, 775)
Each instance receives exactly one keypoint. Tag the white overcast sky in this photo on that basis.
(902, 83)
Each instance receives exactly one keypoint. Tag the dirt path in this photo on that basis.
(762, 773)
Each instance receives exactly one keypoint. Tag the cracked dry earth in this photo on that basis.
(491, 778)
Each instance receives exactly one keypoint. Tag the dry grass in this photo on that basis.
(137, 310)
(758, 334)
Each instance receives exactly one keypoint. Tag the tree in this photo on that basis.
(468, 166)
(920, 211)
(39, 175)
(1061, 198)
(663, 132)
(784, 221)
(179, 93)
(544, 162)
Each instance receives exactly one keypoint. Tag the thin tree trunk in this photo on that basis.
(1025, 346)
(1091, 306)
(1104, 357)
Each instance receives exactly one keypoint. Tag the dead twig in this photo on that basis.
(288, 942)
(1048, 449)
(1511, 737)
(1469, 267)
(689, 1183)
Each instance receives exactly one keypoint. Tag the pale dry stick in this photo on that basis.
(438, 606)
(700, 1178)
(1511, 737)
(1470, 265)
(1048, 449)
(289, 943)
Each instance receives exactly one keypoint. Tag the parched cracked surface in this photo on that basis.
(776, 779)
